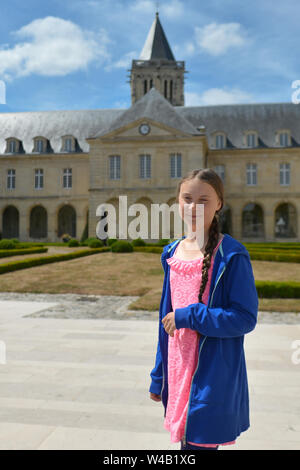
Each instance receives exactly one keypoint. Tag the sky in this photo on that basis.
(76, 54)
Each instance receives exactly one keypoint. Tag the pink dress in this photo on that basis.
(185, 281)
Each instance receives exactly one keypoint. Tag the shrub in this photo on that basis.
(163, 241)
(110, 241)
(73, 242)
(7, 244)
(122, 246)
(138, 242)
(95, 243)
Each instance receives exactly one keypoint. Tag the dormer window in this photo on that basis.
(251, 139)
(40, 145)
(220, 140)
(283, 138)
(68, 144)
(13, 145)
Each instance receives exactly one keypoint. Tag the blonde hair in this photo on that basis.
(211, 177)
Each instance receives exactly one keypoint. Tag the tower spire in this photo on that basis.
(156, 45)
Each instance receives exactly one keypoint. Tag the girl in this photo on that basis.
(209, 302)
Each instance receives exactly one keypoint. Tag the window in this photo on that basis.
(251, 174)
(284, 174)
(251, 140)
(220, 170)
(67, 178)
(283, 139)
(39, 178)
(166, 89)
(12, 146)
(220, 141)
(11, 179)
(68, 143)
(171, 89)
(145, 87)
(115, 167)
(145, 166)
(175, 165)
(39, 145)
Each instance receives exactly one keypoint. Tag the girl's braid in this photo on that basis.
(212, 242)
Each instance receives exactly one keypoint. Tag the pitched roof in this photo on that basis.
(235, 119)
(153, 106)
(156, 45)
(53, 125)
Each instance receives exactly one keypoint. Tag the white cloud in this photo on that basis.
(172, 10)
(52, 46)
(123, 62)
(143, 6)
(215, 96)
(217, 39)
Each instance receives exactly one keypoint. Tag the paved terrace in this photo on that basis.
(77, 376)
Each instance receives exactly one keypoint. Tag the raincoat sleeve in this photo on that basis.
(157, 374)
(239, 314)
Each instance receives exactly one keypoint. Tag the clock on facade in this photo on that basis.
(144, 129)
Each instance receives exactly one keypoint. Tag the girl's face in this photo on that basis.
(194, 192)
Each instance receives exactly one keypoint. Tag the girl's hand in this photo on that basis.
(155, 397)
(169, 323)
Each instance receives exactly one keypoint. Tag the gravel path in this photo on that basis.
(114, 307)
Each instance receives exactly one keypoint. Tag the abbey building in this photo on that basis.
(57, 167)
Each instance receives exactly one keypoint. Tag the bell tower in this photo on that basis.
(157, 67)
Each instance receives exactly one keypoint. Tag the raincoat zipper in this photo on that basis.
(184, 436)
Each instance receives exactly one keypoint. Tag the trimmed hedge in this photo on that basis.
(121, 246)
(279, 256)
(16, 251)
(279, 290)
(30, 262)
(148, 249)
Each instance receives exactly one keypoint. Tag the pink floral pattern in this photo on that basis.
(185, 279)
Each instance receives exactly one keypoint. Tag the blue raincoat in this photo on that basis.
(218, 408)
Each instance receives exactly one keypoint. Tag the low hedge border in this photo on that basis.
(254, 255)
(26, 251)
(279, 257)
(149, 249)
(279, 290)
(30, 262)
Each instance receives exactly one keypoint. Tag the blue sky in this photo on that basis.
(75, 54)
